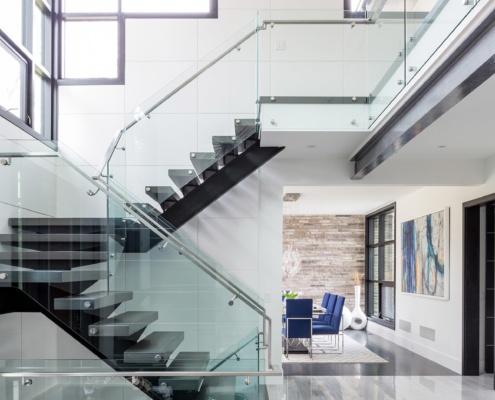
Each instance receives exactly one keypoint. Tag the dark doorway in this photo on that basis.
(479, 286)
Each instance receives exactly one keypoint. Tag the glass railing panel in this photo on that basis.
(428, 24)
(110, 281)
(177, 240)
(194, 109)
(186, 300)
(315, 53)
(153, 240)
(386, 57)
(79, 379)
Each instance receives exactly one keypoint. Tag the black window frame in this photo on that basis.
(24, 52)
(121, 18)
(357, 14)
(370, 280)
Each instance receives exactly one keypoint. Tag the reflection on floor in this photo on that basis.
(407, 376)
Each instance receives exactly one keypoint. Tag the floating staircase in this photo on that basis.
(212, 174)
(53, 282)
(53, 262)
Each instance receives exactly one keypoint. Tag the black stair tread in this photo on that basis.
(52, 276)
(217, 185)
(190, 361)
(68, 225)
(53, 238)
(184, 177)
(56, 241)
(48, 259)
(205, 161)
(53, 255)
(162, 193)
(91, 301)
(224, 145)
(87, 221)
(246, 128)
(187, 361)
(154, 348)
(124, 324)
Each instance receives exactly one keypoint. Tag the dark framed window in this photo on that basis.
(92, 34)
(26, 88)
(355, 8)
(380, 266)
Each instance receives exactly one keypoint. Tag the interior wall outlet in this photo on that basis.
(280, 45)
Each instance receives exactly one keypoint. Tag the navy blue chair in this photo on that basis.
(333, 323)
(324, 304)
(330, 306)
(298, 322)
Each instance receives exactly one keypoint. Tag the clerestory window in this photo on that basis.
(92, 34)
(26, 64)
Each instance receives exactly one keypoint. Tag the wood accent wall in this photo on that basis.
(332, 247)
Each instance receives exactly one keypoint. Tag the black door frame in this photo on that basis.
(471, 284)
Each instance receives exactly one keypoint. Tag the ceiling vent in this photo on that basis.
(292, 196)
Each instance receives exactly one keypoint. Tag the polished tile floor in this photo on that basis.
(406, 376)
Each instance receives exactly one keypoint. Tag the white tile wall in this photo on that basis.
(307, 79)
(156, 142)
(145, 79)
(91, 99)
(308, 43)
(89, 134)
(355, 42)
(239, 233)
(214, 36)
(152, 40)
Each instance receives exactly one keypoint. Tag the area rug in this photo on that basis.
(354, 353)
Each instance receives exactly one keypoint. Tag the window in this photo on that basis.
(90, 49)
(92, 41)
(25, 57)
(13, 81)
(380, 266)
(168, 6)
(356, 8)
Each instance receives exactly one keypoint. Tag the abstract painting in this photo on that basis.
(425, 254)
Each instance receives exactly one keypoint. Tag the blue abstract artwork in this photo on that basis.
(424, 255)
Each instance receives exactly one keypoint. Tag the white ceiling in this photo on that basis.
(338, 200)
(463, 136)
(467, 130)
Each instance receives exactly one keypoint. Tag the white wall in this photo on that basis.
(442, 316)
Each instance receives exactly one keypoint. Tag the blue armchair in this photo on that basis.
(329, 307)
(333, 323)
(298, 323)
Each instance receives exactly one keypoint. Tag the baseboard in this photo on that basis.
(430, 353)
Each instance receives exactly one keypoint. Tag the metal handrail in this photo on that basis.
(153, 225)
(118, 135)
(275, 371)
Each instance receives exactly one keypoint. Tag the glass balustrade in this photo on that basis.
(329, 73)
(402, 37)
(98, 250)
(194, 126)
(130, 293)
(94, 380)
